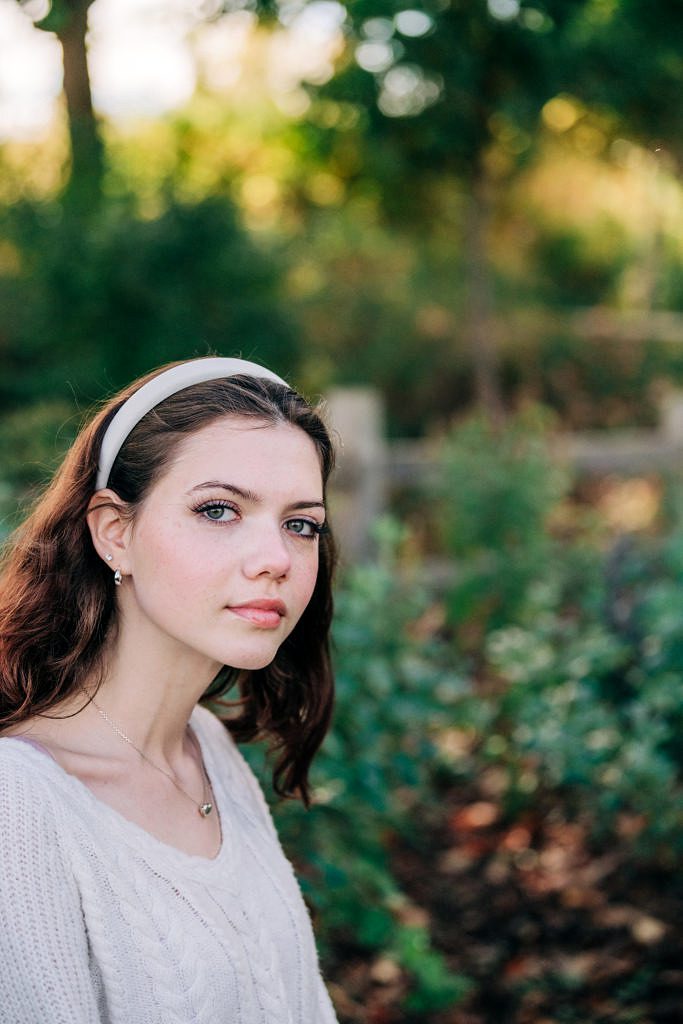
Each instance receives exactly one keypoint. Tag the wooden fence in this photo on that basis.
(370, 466)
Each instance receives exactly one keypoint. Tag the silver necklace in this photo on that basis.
(205, 807)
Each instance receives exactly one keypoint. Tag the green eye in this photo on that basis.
(217, 512)
(304, 528)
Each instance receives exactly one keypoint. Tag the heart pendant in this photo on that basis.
(205, 810)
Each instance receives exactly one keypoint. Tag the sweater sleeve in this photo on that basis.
(44, 965)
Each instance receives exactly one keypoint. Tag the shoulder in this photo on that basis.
(20, 762)
(38, 799)
(33, 818)
(23, 778)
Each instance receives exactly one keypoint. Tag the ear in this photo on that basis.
(109, 528)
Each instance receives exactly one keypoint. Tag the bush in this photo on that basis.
(571, 696)
(32, 441)
(577, 651)
(394, 693)
(582, 268)
(498, 489)
(589, 708)
(88, 306)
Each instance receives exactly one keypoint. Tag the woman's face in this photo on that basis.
(223, 552)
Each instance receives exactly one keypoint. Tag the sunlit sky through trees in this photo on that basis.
(147, 57)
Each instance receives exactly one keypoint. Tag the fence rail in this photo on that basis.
(370, 467)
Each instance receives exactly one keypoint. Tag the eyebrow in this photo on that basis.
(250, 495)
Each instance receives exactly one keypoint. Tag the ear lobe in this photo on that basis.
(109, 526)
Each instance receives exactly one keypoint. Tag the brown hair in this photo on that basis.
(57, 603)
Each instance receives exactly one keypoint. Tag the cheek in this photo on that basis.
(304, 579)
(170, 563)
(174, 591)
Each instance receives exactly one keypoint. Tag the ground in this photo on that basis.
(552, 925)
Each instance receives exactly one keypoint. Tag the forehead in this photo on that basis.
(247, 452)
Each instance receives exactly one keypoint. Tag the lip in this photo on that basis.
(267, 613)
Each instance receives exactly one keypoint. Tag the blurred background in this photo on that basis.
(459, 221)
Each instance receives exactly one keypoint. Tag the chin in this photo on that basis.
(250, 662)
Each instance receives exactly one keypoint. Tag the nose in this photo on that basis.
(267, 554)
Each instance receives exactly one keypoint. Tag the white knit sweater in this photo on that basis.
(101, 923)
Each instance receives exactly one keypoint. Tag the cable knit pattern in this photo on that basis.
(101, 923)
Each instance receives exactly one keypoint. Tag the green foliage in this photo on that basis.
(437, 987)
(394, 693)
(89, 309)
(571, 694)
(591, 384)
(378, 305)
(60, 13)
(581, 651)
(581, 267)
(32, 442)
(590, 705)
(631, 64)
(445, 89)
(497, 489)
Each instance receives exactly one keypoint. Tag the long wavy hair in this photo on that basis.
(57, 603)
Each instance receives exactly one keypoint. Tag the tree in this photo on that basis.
(631, 72)
(633, 65)
(68, 19)
(453, 90)
(88, 310)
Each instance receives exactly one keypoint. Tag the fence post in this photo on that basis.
(671, 416)
(358, 492)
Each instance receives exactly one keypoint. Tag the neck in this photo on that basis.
(150, 689)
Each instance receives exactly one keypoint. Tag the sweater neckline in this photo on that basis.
(129, 828)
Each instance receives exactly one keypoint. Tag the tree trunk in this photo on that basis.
(479, 302)
(68, 19)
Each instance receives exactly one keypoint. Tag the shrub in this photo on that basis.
(568, 687)
(498, 489)
(88, 307)
(577, 651)
(394, 692)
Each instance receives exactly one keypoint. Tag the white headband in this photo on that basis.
(161, 387)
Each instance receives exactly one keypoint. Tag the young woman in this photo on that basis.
(181, 549)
